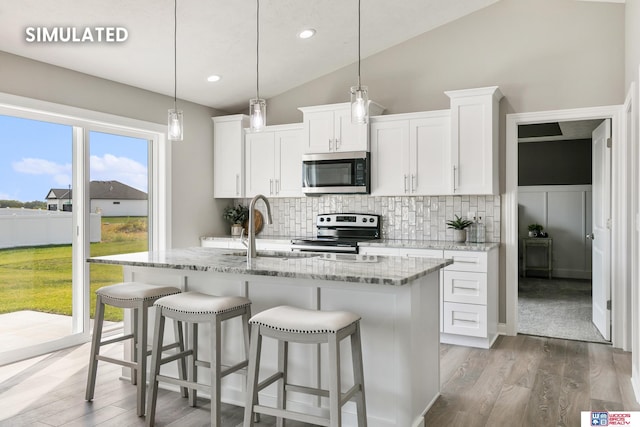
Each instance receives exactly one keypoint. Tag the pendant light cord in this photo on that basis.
(258, 49)
(358, 44)
(175, 54)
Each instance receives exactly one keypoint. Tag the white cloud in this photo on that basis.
(41, 167)
(123, 169)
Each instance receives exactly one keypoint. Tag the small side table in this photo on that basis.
(537, 242)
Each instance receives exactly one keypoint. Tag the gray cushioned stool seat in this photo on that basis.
(298, 320)
(195, 303)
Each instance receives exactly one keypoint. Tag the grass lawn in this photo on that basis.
(39, 278)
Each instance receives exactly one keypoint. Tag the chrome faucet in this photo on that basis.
(251, 233)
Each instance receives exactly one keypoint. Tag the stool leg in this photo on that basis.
(182, 363)
(156, 358)
(141, 355)
(95, 348)
(193, 369)
(335, 411)
(283, 358)
(215, 371)
(252, 375)
(136, 340)
(358, 374)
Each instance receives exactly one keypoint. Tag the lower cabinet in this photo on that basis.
(468, 293)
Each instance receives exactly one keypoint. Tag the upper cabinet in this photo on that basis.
(274, 161)
(474, 140)
(228, 155)
(410, 154)
(328, 128)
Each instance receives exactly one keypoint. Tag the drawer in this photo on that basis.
(422, 253)
(467, 261)
(464, 319)
(465, 287)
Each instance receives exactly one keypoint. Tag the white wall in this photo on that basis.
(194, 211)
(565, 213)
(110, 207)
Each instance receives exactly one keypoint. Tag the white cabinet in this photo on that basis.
(474, 140)
(328, 128)
(410, 154)
(228, 155)
(468, 293)
(470, 298)
(273, 161)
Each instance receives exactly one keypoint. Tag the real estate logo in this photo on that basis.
(76, 34)
(599, 418)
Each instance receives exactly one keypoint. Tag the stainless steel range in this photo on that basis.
(340, 233)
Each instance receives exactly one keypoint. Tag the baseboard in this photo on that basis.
(635, 383)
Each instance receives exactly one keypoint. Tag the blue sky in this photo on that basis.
(36, 156)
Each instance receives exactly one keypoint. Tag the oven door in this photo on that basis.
(336, 173)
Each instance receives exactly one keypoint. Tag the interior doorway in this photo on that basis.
(555, 177)
(510, 209)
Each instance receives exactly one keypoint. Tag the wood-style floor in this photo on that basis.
(521, 381)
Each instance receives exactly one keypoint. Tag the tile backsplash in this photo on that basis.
(414, 218)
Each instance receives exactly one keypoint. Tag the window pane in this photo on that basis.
(35, 232)
(119, 203)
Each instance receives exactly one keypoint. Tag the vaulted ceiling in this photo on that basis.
(219, 37)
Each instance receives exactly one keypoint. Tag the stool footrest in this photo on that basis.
(176, 356)
(116, 339)
(308, 390)
(184, 383)
(348, 395)
(120, 362)
(267, 382)
(291, 415)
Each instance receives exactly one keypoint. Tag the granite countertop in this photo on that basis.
(384, 243)
(364, 269)
(430, 244)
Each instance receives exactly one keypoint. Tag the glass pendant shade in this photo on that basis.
(175, 127)
(257, 114)
(359, 105)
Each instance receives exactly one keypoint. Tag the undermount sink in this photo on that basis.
(275, 254)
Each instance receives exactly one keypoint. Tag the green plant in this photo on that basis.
(458, 223)
(535, 227)
(236, 214)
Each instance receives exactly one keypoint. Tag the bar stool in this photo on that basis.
(139, 297)
(194, 308)
(290, 324)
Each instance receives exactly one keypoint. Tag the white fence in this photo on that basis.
(34, 227)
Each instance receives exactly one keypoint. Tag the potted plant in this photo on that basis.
(236, 215)
(458, 225)
(534, 229)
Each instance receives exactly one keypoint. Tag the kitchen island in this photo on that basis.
(397, 297)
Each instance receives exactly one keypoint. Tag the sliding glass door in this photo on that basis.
(70, 188)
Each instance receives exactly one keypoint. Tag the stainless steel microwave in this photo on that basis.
(336, 173)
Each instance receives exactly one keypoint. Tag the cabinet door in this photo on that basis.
(288, 168)
(349, 137)
(430, 144)
(390, 158)
(260, 163)
(319, 131)
(228, 166)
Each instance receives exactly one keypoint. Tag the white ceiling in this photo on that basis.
(219, 37)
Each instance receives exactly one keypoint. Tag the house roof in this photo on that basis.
(101, 190)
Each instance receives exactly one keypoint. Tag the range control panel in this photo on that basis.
(347, 220)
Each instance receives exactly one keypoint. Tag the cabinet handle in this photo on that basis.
(413, 183)
(270, 187)
(405, 182)
(454, 178)
(237, 184)
(338, 143)
(329, 144)
(277, 186)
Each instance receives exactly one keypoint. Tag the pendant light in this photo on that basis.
(359, 96)
(175, 127)
(257, 106)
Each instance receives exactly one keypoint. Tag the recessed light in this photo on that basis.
(306, 34)
(213, 78)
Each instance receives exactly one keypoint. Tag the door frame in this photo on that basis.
(620, 318)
